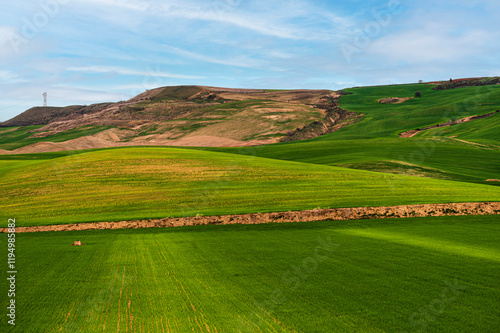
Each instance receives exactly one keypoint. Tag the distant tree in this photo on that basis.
(420, 81)
(418, 94)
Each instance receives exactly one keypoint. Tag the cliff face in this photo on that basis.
(335, 118)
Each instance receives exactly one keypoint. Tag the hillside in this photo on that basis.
(467, 151)
(40, 115)
(182, 116)
(144, 182)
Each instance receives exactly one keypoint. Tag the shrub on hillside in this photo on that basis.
(418, 94)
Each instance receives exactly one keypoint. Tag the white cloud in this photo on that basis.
(135, 5)
(295, 20)
(7, 40)
(149, 72)
(238, 62)
(82, 95)
(275, 19)
(428, 45)
(8, 77)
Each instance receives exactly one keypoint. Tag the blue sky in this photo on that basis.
(88, 51)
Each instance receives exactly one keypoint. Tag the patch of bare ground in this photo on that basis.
(307, 97)
(95, 142)
(337, 214)
(189, 116)
(334, 119)
(394, 100)
(493, 180)
(412, 133)
(9, 130)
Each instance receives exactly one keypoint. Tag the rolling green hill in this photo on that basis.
(465, 152)
(484, 131)
(434, 107)
(136, 183)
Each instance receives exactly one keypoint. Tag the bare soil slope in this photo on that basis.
(189, 116)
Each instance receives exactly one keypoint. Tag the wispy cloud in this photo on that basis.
(295, 20)
(126, 71)
(8, 77)
(432, 41)
(100, 50)
(241, 61)
(135, 5)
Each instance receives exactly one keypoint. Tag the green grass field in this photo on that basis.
(395, 275)
(484, 131)
(468, 152)
(137, 183)
(434, 107)
(436, 158)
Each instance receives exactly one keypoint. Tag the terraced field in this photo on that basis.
(413, 275)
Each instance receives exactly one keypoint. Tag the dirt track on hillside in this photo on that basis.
(425, 210)
(412, 133)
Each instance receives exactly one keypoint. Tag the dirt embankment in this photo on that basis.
(464, 83)
(394, 100)
(450, 209)
(335, 118)
(412, 133)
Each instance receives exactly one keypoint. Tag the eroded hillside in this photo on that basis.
(188, 116)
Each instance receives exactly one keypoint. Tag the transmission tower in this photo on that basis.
(44, 99)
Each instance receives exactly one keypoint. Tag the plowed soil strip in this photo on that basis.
(424, 210)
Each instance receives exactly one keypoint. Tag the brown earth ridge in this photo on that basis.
(336, 214)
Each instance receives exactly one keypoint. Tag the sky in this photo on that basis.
(90, 51)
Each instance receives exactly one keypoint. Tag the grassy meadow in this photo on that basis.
(137, 183)
(468, 152)
(432, 108)
(408, 275)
